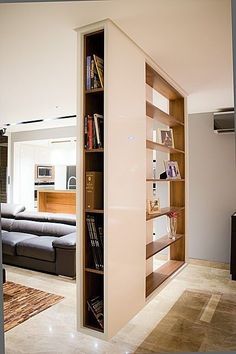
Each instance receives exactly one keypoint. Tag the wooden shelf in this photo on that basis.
(158, 245)
(158, 277)
(94, 90)
(164, 211)
(94, 150)
(156, 146)
(96, 211)
(157, 114)
(164, 180)
(159, 84)
(95, 271)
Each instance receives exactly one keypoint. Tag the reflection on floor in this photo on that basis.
(54, 330)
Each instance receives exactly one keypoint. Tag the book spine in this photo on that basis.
(86, 132)
(97, 243)
(96, 307)
(99, 63)
(95, 117)
(92, 243)
(90, 133)
(94, 136)
(92, 74)
(88, 73)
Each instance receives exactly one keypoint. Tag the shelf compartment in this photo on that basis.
(164, 180)
(95, 271)
(156, 278)
(159, 84)
(158, 245)
(152, 145)
(164, 211)
(162, 117)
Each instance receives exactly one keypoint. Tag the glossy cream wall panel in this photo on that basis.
(125, 174)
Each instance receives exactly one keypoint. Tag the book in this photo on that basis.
(94, 190)
(95, 305)
(90, 133)
(92, 243)
(99, 248)
(99, 63)
(88, 72)
(86, 132)
(98, 118)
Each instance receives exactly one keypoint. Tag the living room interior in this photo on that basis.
(187, 49)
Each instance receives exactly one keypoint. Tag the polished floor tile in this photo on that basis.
(54, 330)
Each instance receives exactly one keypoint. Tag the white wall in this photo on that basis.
(26, 157)
(212, 188)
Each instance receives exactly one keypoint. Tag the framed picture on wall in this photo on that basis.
(165, 137)
(172, 170)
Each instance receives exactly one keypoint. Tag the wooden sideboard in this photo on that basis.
(57, 201)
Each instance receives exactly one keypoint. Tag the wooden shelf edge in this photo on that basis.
(164, 211)
(165, 180)
(159, 276)
(160, 244)
(161, 116)
(94, 211)
(94, 90)
(93, 150)
(152, 145)
(95, 271)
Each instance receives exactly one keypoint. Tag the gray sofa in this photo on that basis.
(40, 241)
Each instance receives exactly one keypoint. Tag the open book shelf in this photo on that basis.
(173, 118)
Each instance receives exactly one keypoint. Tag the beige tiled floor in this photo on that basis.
(54, 330)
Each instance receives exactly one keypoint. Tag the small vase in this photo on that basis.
(172, 227)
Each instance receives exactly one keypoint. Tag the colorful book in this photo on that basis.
(98, 129)
(99, 63)
(88, 72)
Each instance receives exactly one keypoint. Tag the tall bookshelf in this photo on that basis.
(123, 283)
(174, 118)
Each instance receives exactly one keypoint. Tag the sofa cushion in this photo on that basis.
(10, 240)
(42, 228)
(33, 216)
(68, 219)
(9, 210)
(27, 226)
(6, 224)
(38, 247)
(65, 242)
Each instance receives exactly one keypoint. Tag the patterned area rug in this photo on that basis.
(198, 322)
(21, 303)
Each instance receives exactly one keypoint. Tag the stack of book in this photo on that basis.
(93, 131)
(95, 233)
(96, 306)
(94, 72)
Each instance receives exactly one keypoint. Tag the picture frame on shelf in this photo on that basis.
(153, 206)
(172, 170)
(165, 137)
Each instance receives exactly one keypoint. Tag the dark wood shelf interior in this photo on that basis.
(164, 211)
(152, 145)
(160, 244)
(93, 282)
(162, 117)
(156, 278)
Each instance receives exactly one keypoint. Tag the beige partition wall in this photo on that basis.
(112, 158)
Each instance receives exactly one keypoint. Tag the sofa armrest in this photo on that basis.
(65, 242)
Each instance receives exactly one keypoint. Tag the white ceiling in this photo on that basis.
(189, 39)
